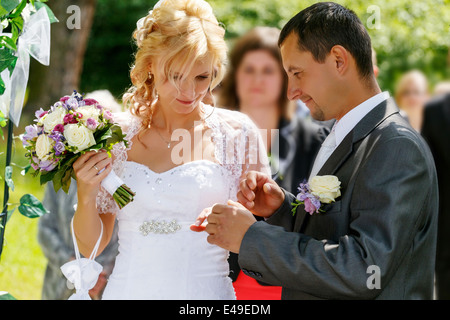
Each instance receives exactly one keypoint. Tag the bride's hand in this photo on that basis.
(90, 169)
(201, 222)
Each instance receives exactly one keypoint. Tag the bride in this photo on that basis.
(182, 156)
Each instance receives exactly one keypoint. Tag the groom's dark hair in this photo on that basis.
(326, 24)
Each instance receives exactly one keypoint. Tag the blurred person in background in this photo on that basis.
(411, 95)
(376, 70)
(256, 85)
(436, 131)
(442, 88)
(54, 233)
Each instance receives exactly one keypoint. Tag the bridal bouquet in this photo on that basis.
(320, 190)
(71, 127)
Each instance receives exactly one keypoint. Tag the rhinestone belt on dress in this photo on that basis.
(159, 227)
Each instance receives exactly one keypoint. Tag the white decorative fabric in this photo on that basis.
(82, 272)
(159, 256)
(34, 41)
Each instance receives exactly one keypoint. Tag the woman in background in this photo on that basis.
(411, 95)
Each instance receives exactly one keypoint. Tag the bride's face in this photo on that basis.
(184, 94)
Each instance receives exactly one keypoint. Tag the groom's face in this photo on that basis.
(309, 81)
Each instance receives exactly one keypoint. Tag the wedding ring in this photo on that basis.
(96, 168)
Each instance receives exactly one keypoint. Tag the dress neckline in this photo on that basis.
(173, 168)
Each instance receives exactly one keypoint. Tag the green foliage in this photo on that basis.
(31, 207)
(6, 296)
(2, 124)
(110, 50)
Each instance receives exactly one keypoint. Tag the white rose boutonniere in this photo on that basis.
(320, 190)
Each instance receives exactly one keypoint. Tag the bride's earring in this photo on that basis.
(150, 76)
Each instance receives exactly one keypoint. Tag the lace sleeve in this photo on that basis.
(130, 126)
(255, 151)
(239, 145)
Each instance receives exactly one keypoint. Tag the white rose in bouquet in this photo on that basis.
(89, 112)
(50, 120)
(44, 146)
(78, 136)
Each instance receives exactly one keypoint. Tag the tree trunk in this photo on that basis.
(69, 38)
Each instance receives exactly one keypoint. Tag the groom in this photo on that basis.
(378, 239)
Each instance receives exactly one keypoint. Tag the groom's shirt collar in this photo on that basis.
(351, 118)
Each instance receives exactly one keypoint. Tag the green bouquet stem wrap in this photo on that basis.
(120, 192)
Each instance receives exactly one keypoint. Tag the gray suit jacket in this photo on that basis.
(386, 217)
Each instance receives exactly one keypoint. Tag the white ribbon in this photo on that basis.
(34, 41)
(82, 272)
(111, 182)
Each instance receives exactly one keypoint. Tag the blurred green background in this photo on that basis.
(405, 34)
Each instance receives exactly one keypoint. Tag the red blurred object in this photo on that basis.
(247, 288)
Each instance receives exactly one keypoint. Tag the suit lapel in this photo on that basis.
(345, 148)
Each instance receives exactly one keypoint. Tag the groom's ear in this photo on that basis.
(341, 58)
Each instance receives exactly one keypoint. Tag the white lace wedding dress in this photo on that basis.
(159, 256)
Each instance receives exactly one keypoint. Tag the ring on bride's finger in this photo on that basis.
(96, 168)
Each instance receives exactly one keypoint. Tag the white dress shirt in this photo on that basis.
(342, 127)
(354, 116)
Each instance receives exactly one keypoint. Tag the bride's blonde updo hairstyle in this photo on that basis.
(178, 33)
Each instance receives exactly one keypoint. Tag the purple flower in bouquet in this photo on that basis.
(70, 118)
(57, 105)
(72, 103)
(31, 132)
(35, 163)
(59, 148)
(56, 136)
(59, 128)
(90, 102)
(108, 115)
(40, 113)
(91, 124)
(64, 99)
(48, 165)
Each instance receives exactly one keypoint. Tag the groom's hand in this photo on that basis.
(260, 194)
(227, 225)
